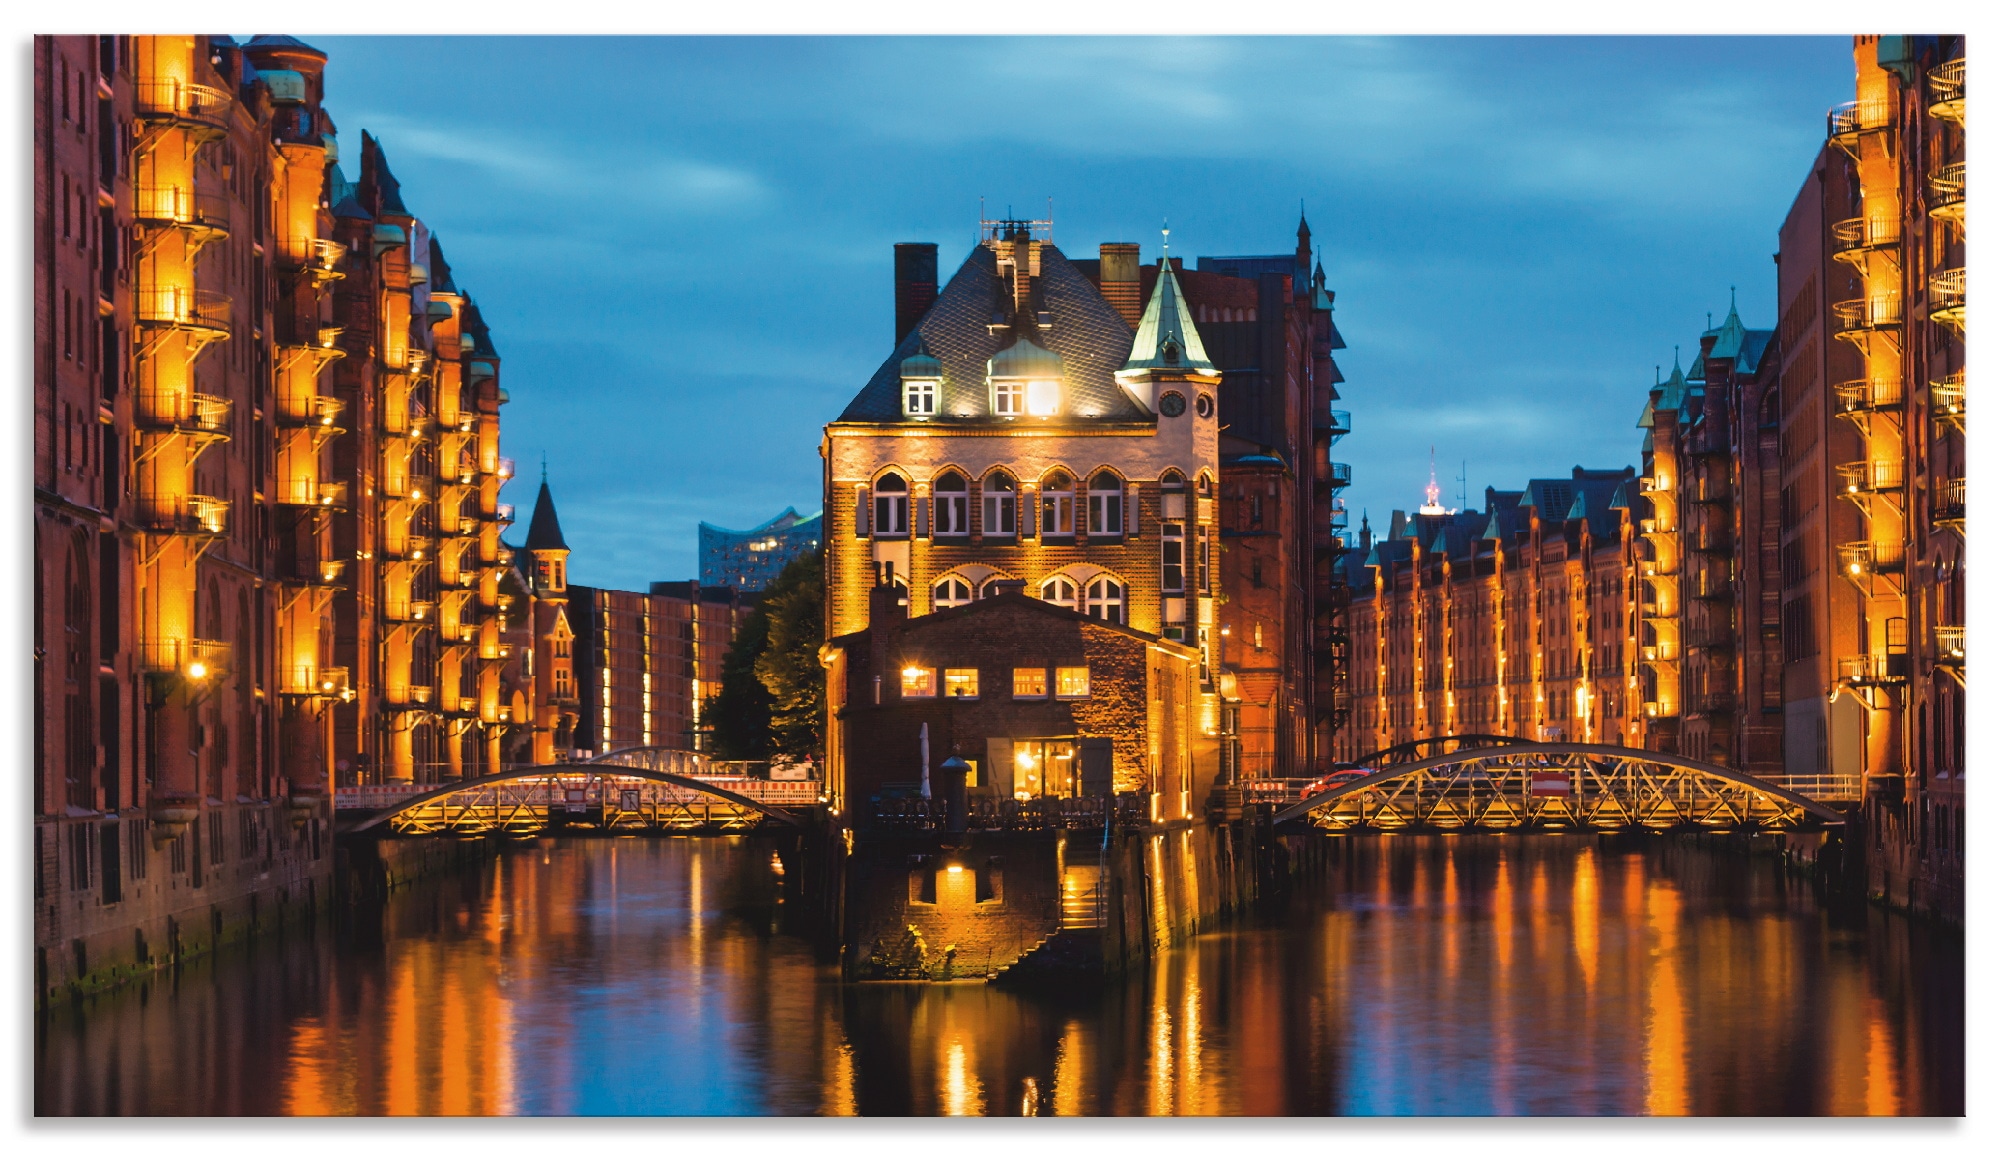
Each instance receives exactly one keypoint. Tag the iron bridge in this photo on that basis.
(619, 793)
(1563, 786)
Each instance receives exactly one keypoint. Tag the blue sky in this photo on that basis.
(684, 244)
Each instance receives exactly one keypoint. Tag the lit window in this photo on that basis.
(1072, 682)
(919, 683)
(961, 682)
(892, 506)
(920, 398)
(1107, 505)
(1106, 600)
(1031, 682)
(1058, 506)
(1044, 397)
(951, 591)
(997, 513)
(951, 505)
(1060, 591)
(1006, 397)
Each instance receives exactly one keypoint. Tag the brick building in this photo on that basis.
(650, 663)
(266, 542)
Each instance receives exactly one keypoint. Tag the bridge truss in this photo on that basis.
(613, 794)
(1559, 786)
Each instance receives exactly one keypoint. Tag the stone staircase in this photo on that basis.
(1083, 894)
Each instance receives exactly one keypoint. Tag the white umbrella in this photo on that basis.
(924, 749)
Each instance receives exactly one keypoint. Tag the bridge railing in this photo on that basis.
(771, 792)
(1824, 788)
(1046, 813)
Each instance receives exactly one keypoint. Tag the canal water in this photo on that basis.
(1456, 975)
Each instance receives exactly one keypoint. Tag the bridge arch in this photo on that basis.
(1581, 785)
(1413, 750)
(611, 765)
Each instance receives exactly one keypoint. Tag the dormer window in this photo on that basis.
(1044, 397)
(920, 398)
(1007, 397)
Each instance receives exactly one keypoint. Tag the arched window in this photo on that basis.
(1058, 505)
(997, 513)
(892, 506)
(1061, 591)
(1107, 505)
(1173, 495)
(951, 591)
(1202, 487)
(952, 517)
(1105, 600)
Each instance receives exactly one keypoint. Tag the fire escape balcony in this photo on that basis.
(307, 492)
(1854, 239)
(1948, 400)
(193, 516)
(1340, 475)
(1864, 559)
(1870, 477)
(1659, 653)
(1948, 504)
(412, 697)
(1874, 670)
(183, 413)
(183, 309)
(311, 682)
(1950, 642)
(1860, 397)
(315, 258)
(1335, 423)
(198, 109)
(1339, 516)
(1947, 84)
(1947, 194)
(1854, 320)
(408, 610)
(1847, 123)
(405, 487)
(496, 652)
(203, 215)
(309, 571)
(1947, 298)
(317, 413)
(503, 513)
(195, 660)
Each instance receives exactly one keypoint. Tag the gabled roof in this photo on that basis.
(375, 172)
(1754, 342)
(544, 530)
(1728, 335)
(440, 271)
(474, 325)
(341, 194)
(1085, 330)
(919, 623)
(1167, 337)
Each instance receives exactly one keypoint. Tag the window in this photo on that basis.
(1060, 591)
(961, 682)
(920, 398)
(951, 591)
(1044, 397)
(1173, 549)
(1201, 559)
(892, 506)
(919, 683)
(1031, 682)
(997, 514)
(952, 519)
(1058, 506)
(1072, 682)
(1107, 505)
(1006, 397)
(1106, 600)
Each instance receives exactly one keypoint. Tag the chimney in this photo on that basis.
(888, 606)
(916, 285)
(1118, 279)
(1007, 587)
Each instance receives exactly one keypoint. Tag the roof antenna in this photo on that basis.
(545, 467)
(1164, 233)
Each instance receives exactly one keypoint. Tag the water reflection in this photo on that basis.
(1453, 975)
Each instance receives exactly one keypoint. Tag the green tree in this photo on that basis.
(773, 689)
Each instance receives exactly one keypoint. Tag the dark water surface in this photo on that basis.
(1524, 975)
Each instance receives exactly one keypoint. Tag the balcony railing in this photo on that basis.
(1870, 476)
(183, 308)
(1856, 396)
(1870, 557)
(1339, 514)
(1339, 423)
(1947, 83)
(306, 492)
(179, 100)
(194, 659)
(1947, 192)
(408, 611)
(1947, 297)
(1950, 639)
(1873, 313)
(1868, 670)
(1948, 502)
(1846, 122)
(169, 206)
(309, 411)
(311, 254)
(1948, 399)
(503, 513)
(504, 468)
(183, 515)
(1865, 234)
(323, 682)
(1340, 475)
(182, 411)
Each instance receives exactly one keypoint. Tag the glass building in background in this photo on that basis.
(748, 560)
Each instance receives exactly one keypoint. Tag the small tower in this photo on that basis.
(1432, 505)
(553, 669)
(546, 546)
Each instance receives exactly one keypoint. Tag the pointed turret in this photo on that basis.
(545, 543)
(1167, 337)
(1729, 336)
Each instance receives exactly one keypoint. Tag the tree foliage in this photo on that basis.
(773, 698)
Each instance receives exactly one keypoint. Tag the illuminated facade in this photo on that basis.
(1023, 435)
(650, 662)
(250, 378)
(749, 560)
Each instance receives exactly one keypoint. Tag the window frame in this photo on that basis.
(945, 500)
(1106, 507)
(882, 502)
(1071, 602)
(1062, 672)
(1173, 559)
(968, 675)
(1091, 599)
(1010, 398)
(1006, 502)
(938, 585)
(1039, 682)
(920, 388)
(1058, 506)
(916, 682)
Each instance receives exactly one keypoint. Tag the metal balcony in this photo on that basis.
(1339, 518)
(1337, 423)
(1948, 503)
(318, 413)
(1950, 641)
(1853, 239)
(408, 610)
(1874, 670)
(307, 492)
(1947, 297)
(1870, 476)
(188, 413)
(198, 516)
(1947, 84)
(503, 513)
(315, 682)
(1947, 193)
(1340, 475)
(1847, 123)
(312, 256)
(1866, 558)
(170, 206)
(1871, 314)
(504, 468)
(1857, 397)
(195, 660)
(310, 571)
(412, 696)
(179, 101)
(183, 308)
(1948, 400)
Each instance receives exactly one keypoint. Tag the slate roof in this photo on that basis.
(1085, 330)
(544, 530)
(475, 325)
(375, 170)
(440, 271)
(280, 41)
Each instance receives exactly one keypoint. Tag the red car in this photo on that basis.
(1326, 783)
